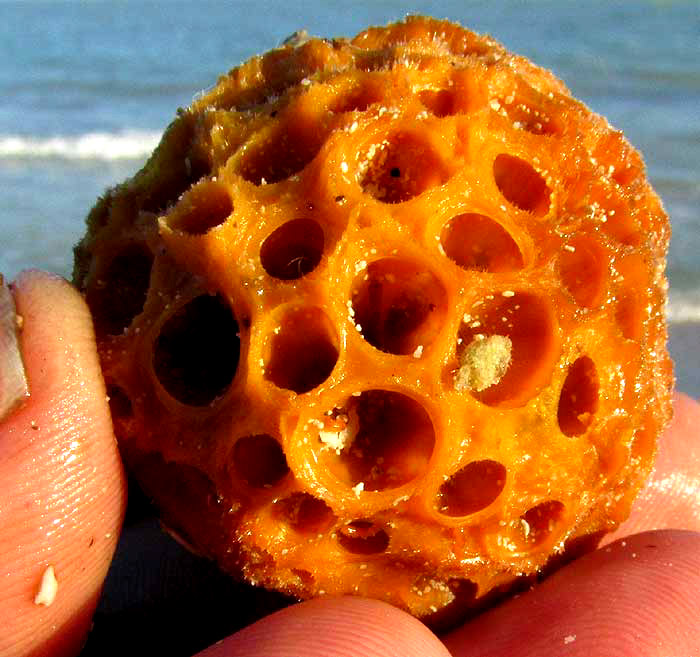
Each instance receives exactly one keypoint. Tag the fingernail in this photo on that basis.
(14, 388)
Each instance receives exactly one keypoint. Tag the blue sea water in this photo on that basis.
(86, 88)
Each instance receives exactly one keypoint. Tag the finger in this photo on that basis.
(638, 596)
(334, 627)
(671, 498)
(63, 487)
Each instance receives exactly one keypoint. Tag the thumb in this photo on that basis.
(63, 486)
(333, 627)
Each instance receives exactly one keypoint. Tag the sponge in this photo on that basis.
(385, 317)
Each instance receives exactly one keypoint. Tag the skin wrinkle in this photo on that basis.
(70, 491)
(371, 641)
(333, 626)
(629, 587)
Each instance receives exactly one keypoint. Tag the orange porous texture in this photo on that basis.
(385, 317)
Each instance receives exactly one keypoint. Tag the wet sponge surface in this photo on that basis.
(385, 316)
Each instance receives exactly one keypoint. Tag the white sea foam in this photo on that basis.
(126, 145)
(683, 306)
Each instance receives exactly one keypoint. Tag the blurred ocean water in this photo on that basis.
(86, 88)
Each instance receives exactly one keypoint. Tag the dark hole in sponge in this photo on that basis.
(441, 102)
(206, 206)
(293, 250)
(578, 401)
(473, 488)
(583, 266)
(521, 185)
(196, 354)
(259, 460)
(393, 444)
(477, 242)
(398, 305)
(119, 402)
(360, 98)
(303, 351)
(401, 167)
(285, 151)
(363, 537)
(120, 293)
(540, 522)
(304, 513)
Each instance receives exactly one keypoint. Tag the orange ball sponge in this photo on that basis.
(385, 317)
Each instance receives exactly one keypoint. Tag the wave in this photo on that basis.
(683, 306)
(125, 145)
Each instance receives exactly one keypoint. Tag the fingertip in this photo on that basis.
(333, 627)
(637, 596)
(63, 482)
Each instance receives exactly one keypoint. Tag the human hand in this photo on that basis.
(64, 499)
